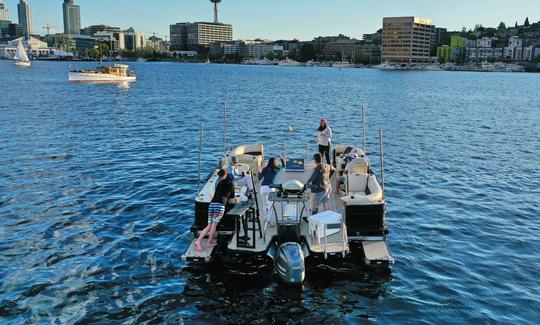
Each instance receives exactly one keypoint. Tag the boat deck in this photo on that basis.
(376, 250)
(334, 243)
(191, 254)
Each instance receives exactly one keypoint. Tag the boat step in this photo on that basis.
(191, 254)
(377, 252)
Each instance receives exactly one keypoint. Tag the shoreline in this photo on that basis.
(456, 69)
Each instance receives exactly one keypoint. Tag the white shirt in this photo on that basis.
(325, 136)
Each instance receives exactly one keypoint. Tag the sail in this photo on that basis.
(20, 54)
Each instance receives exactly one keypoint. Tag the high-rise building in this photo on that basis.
(406, 40)
(72, 18)
(192, 36)
(178, 33)
(25, 17)
(4, 14)
(439, 35)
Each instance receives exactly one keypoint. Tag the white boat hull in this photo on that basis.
(98, 77)
(343, 65)
(23, 64)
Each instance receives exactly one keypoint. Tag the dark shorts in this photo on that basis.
(215, 212)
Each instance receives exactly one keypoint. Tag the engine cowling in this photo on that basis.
(289, 264)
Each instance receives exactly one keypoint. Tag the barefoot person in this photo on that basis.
(224, 191)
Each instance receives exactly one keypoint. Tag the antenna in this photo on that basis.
(215, 2)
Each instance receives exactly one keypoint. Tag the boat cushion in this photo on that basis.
(359, 197)
(356, 182)
(253, 161)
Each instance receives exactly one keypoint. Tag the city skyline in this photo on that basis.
(302, 19)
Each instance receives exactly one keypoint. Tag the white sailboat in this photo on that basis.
(21, 57)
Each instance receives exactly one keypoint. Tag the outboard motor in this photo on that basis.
(290, 263)
(288, 251)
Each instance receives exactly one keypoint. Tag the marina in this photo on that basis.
(99, 189)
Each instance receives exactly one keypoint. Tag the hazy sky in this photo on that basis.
(275, 19)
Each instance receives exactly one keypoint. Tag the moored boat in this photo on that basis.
(290, 63)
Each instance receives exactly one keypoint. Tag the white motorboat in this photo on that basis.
(354, 226)
(290, 63)
(343, 65)
(21, 57)
(114, 73)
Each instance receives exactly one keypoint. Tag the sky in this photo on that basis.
(282, 19)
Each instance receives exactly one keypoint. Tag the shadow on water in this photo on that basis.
(227, 293)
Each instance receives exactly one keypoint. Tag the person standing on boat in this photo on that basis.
(268, 176)
(238, 177)
(319, 183)
(216, 210)
(324, 139)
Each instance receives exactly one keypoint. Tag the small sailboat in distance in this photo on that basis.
(21, 57)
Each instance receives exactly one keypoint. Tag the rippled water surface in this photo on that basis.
(97, 185)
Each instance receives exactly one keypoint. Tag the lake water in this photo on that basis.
(97, 185)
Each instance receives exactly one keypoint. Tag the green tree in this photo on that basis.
(93, 53)
(527, 24)
(306, 53)
(502, 26)
(479, 28)
(271, 55)
(293, 54)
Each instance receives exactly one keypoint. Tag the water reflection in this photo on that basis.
(330, 293)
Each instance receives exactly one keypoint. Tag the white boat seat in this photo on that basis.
(250, 154)
(359, 197)
(358, 166)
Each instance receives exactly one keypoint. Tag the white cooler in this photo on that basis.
(329, 220)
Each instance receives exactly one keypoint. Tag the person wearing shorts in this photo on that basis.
(216, 209)
(319, 183)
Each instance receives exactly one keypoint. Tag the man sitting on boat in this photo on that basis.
(319, 182)
(238, 177)
(224, 191)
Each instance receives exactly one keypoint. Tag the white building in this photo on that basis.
(123, 40)
(486, 42)
(33, 46)
(256, 50)
(515, 50)
(484, 53)
(515, 41)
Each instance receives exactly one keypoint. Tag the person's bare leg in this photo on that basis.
(211, 234)
(198, 246)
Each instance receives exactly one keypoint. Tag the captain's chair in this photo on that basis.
(357, 176)
(361, 187)
(250, 154)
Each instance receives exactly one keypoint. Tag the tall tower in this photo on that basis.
(4, 14)
(25, 17)
(72, 18)
(215, 2)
